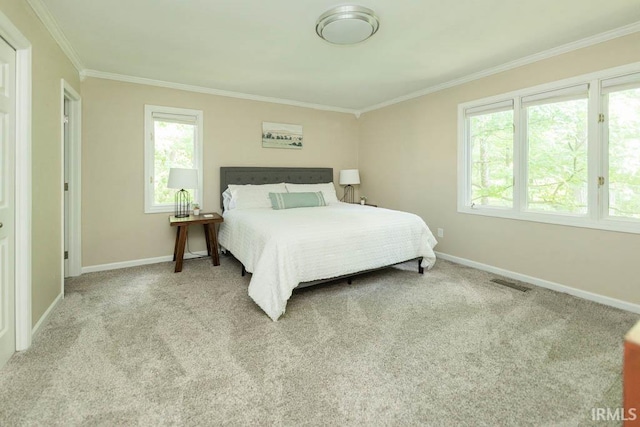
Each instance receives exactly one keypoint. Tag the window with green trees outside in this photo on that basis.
(173, 139)
(566, 152)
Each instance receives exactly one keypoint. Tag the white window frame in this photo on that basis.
(149, 155)
(466, 115)
(604, 136)
(524, 146)
(597, 211)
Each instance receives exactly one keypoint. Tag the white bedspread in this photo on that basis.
(283, 248)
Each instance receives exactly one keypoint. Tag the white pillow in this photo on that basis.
(253, 196)
(327, 189)
(226, 200)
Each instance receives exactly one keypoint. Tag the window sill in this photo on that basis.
(160, 210)
(625, 226)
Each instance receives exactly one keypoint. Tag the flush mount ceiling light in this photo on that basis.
(347, 24)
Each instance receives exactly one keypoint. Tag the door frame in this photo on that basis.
(23, 183)
(75, 177)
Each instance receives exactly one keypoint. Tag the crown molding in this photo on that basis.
(42, 11)
(210, 91)
(565, 48)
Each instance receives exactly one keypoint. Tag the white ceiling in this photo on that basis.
(269, 48)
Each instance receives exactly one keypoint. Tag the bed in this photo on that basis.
(289, 248)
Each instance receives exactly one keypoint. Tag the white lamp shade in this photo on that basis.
(349, 177)
(181, 178)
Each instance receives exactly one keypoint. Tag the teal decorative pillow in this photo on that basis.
(296, 200)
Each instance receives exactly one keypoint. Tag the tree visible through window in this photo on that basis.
(491, 138)
(624, 153)
(572, 158)
(557, 166)
(173, 139)
(174, 145)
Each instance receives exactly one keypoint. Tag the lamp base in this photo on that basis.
(183, 201)
(348, 194)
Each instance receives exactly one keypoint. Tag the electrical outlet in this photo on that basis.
(440, 232)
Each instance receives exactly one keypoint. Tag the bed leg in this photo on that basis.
(243, 271)
(420, 269)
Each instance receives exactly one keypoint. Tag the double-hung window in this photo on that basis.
(564, 153)
(173, 139)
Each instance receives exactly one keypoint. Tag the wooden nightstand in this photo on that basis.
(210, 234)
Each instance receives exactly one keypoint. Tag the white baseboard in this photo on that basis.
(623, 305)
(138, 262)
(46, 314)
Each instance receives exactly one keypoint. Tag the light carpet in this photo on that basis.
(145, 346)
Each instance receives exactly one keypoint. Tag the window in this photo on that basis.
(173, 138)
(491, 139)
(564, 153)
(622, 99)
(556, 124)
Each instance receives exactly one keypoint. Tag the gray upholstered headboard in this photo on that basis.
(259, 175)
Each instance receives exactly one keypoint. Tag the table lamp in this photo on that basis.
(181, 178)
(349, 178)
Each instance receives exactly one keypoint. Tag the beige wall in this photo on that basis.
(408, 161)
(49, 66)
(114, 225)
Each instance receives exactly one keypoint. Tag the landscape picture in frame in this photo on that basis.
(281, 135)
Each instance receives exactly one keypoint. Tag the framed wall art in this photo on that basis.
(281, 135)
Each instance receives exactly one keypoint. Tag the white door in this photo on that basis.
(7, 201)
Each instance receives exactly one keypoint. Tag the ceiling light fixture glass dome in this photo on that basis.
(348, 24)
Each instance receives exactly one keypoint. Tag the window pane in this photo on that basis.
(624, 153)
(174, 148)
(557, 169)
(492, 159)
